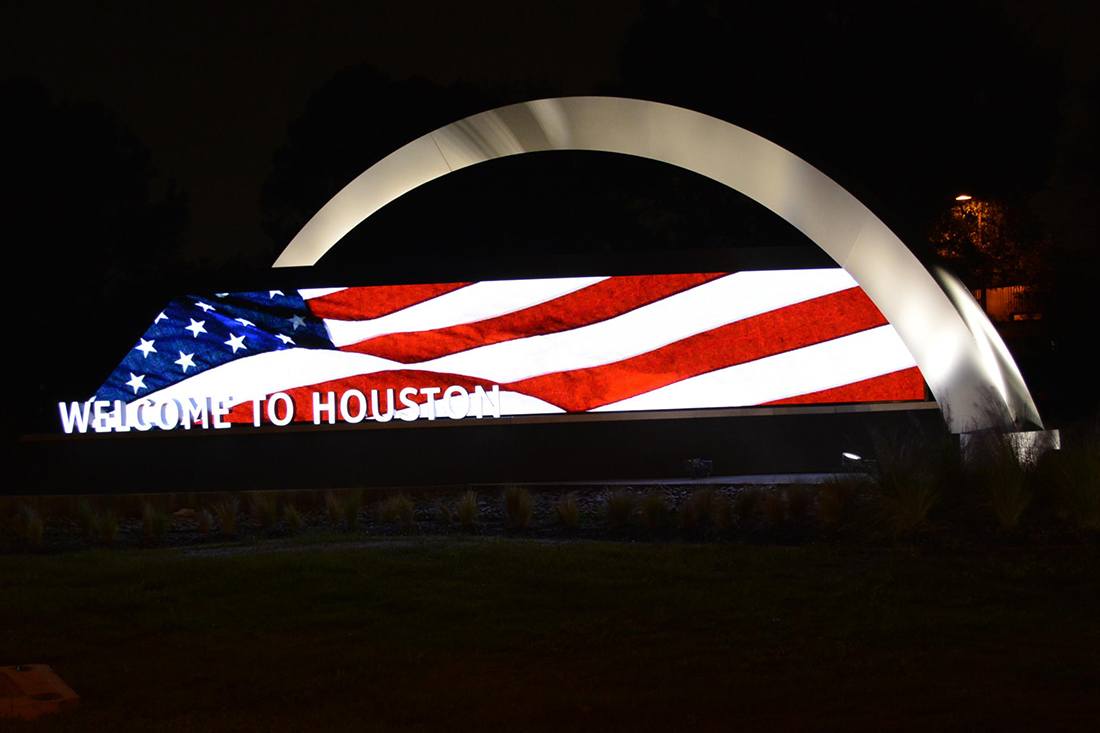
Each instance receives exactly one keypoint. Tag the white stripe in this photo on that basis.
(644, 329)
(311, 293)
(257, 376)
(466, 305)
(835, 363)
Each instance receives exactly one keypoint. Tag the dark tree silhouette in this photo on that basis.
(91, 238)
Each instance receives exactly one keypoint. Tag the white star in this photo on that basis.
(185, 361)
(159, 318)
(196, 327)
(205, 308)
(244, 321)
(145, 347)
(297, 321)
(236, 342)
(221, 295)
(285, 339)
(273, 293)
(137, 382)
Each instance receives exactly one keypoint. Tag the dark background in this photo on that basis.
(153, 149)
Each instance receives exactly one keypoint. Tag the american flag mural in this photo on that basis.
(539, 346)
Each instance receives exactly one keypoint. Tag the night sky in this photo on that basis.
(145, 141)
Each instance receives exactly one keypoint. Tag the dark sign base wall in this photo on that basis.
(436, 455)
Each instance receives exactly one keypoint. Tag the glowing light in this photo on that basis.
(963, 197)
(852, 456)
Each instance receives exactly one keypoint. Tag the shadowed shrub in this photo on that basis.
(705, 508)
(745, 505)
(799, 500)
(106, 528)
(294, 519)
(29, 526)
(519, 507)
(568, 511)
(86, 518)
(911, 471)
(332, 509)
(467, 512)
(226, 512)
(351, 503)
(654, 511)
(205, 521)
(445, 513)
(154, 523)
(774, 505)
(997, 473)
(264, 507)
(620, 505)
(397, 509)
(835, 499)
(1072, 476)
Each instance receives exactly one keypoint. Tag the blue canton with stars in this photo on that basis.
(198, 332)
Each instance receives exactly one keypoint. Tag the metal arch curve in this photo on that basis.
(967, 366)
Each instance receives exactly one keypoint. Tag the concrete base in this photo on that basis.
(29, 691)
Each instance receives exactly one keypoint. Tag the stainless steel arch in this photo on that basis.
(969, 370)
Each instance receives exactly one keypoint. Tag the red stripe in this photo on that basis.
(355, 304)
(792, 327)
(905, 384)
(599, 302)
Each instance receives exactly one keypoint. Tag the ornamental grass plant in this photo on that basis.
(913, 471)
(654, 512)
(30, 527)
(154, 523)
(397, 509)
(467, 512)
(226, 513)
(567, 510)
(997, 474)
(264, 508)
(705, 509)
(293, 518)
(351, 503)
(519, 508)
(619, 508)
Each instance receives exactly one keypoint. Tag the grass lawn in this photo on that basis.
(491, 634)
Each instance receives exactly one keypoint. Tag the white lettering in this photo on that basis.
(103, 418)
(448, 398)
(483, 397)
(218, 410)
(169, 415)
(411, 411)
(273, 412)
(139, 416)
(328, 406)
(378, 414)
(430, 393)
(75, 416)
(345, 401)
(195, 412)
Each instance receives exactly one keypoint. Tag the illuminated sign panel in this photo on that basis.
(504, 348)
